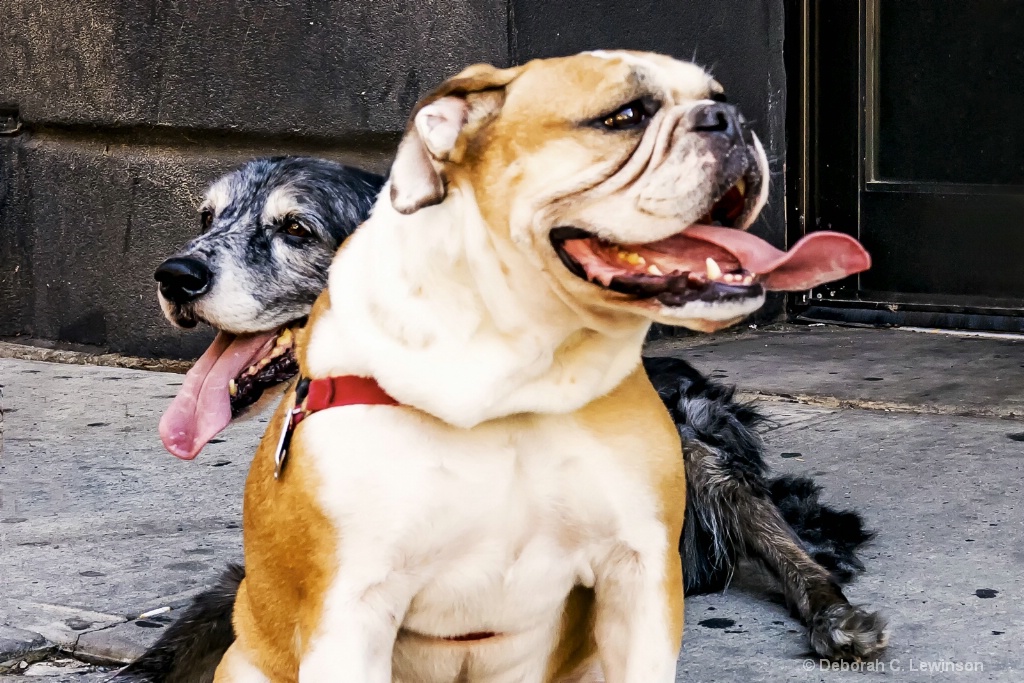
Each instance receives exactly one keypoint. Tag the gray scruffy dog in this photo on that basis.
(272, 228)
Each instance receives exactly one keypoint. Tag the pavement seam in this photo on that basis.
(110, 360)
(820, 401)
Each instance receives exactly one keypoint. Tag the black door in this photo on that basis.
(907, 123)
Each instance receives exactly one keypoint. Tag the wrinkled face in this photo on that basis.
(270, 230)
(659, 150)
(654, 149)
(626, 177)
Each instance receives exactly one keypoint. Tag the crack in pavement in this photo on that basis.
(832, 402)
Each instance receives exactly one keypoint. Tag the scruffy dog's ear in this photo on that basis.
(436, 132)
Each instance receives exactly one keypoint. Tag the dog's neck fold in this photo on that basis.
(453, 319)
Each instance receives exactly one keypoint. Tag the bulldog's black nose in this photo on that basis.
(182, 279)
(717, 117)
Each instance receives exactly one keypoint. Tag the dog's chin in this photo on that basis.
(712, 316)
(182, 317)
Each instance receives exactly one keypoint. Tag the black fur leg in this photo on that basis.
(748, 524)
(191, 648)
(733, 512)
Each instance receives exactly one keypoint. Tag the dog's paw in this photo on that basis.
(845, 632)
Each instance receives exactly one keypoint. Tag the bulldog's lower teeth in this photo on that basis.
(654, 270)
(233, 388)
(741, 185)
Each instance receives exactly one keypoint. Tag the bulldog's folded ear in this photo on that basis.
(437, 131)
(415, 181)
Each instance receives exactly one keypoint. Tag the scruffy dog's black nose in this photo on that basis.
(182, 279)
(717, 117)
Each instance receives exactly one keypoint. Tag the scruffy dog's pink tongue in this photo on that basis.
(202, 407)
(815, 259)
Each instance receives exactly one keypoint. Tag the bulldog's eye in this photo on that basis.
(631, 115)
(205, 219)
(295, 229)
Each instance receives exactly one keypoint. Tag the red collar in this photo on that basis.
(314, 395)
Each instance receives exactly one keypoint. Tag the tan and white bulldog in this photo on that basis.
(515, 517)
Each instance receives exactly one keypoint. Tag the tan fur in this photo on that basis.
(286, 568)
(322, 303)
(290, 550)
(634, 408)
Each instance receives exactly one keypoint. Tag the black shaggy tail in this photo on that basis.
(832, 537)
(191, 647)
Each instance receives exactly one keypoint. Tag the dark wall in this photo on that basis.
(128, 110)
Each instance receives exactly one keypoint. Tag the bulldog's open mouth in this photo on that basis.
(709, 261)
(229, 377)
(673, 271)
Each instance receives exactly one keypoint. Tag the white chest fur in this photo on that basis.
(446, 531)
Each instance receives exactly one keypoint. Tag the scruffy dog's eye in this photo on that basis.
(631, 115)
(206, 219)
(296, 230)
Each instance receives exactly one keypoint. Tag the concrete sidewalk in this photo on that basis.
(98, 524)
(919, 432)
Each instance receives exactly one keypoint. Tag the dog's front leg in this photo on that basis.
(639, 600)
(358, 625)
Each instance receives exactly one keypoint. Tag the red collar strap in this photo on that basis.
(314, 395)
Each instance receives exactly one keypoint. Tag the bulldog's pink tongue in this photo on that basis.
(815, 259)
(202, 407)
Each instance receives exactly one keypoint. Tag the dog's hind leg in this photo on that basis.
(744, 520)
(707, 412)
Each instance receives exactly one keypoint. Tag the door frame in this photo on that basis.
(841, 302)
